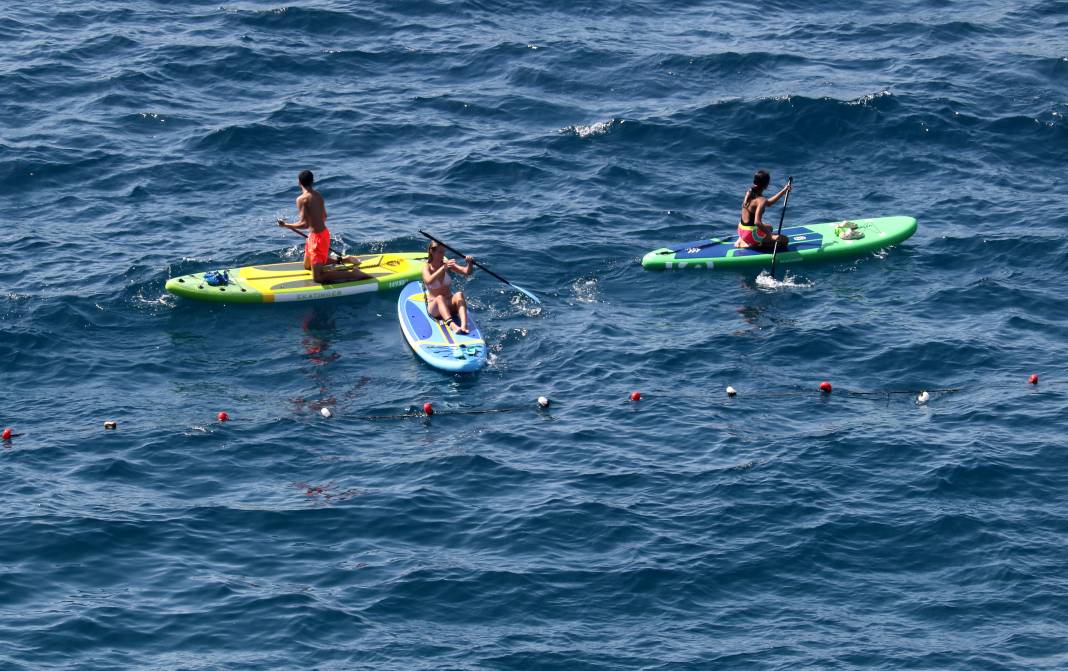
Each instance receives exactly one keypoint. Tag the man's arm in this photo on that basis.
(300, 222)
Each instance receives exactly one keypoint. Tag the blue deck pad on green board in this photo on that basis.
(829, 241)
(801, 237)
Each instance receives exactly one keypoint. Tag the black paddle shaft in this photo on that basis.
(782, 217)
(476, 263)
(459, 253)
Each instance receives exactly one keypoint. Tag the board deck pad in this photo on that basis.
(809, 243)
(433, 341)
(801, 237)
(282, 282)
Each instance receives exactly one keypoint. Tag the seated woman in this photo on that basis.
(441, 302)
(752, 231)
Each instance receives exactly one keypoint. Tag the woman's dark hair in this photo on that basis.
(306, 178)
(432, 247)
(761, 179)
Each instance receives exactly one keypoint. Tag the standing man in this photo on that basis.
(312, 210)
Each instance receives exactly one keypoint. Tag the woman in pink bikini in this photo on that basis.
(441, 302)
(752, 231)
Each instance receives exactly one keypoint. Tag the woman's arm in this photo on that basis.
(463, 270)
(429, 275)
(758, 215)
(774, 199)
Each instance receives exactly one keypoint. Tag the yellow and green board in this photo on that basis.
(281, 282)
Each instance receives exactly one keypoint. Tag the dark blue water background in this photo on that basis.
(558, 142)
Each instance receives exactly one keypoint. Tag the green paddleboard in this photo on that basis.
(810, 243)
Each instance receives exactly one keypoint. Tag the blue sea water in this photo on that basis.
(557, 142)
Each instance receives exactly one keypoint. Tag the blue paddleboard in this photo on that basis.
(433, 341)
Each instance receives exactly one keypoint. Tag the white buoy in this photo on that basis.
(543, 401)
(110, 425)
(923, 397)
(731, 391)
(325, 412)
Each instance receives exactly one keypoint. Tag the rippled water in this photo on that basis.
(557, 142)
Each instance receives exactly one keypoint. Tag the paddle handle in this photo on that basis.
(782, 217)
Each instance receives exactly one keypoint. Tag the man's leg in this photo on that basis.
(324, 274)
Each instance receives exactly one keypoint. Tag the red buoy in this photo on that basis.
(825, 387)
(635, 396)
(223, 417)
(428, 409)
(6, 435)
(1034, 378)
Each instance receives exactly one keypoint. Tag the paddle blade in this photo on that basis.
(525, 292)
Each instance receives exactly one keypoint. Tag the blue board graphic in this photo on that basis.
(433, 341)
(801, 237)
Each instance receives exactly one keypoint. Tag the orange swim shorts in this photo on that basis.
(317, 249)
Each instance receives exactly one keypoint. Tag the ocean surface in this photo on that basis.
(557, 142)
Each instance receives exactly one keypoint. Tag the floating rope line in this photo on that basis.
(372, 418)
(914, 392)
(824, 389)
(431, 413)
(781, 394)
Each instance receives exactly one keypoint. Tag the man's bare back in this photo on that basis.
(312, 209)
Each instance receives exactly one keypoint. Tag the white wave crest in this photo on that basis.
(767, 281)
(599, 128)
(869, 98)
